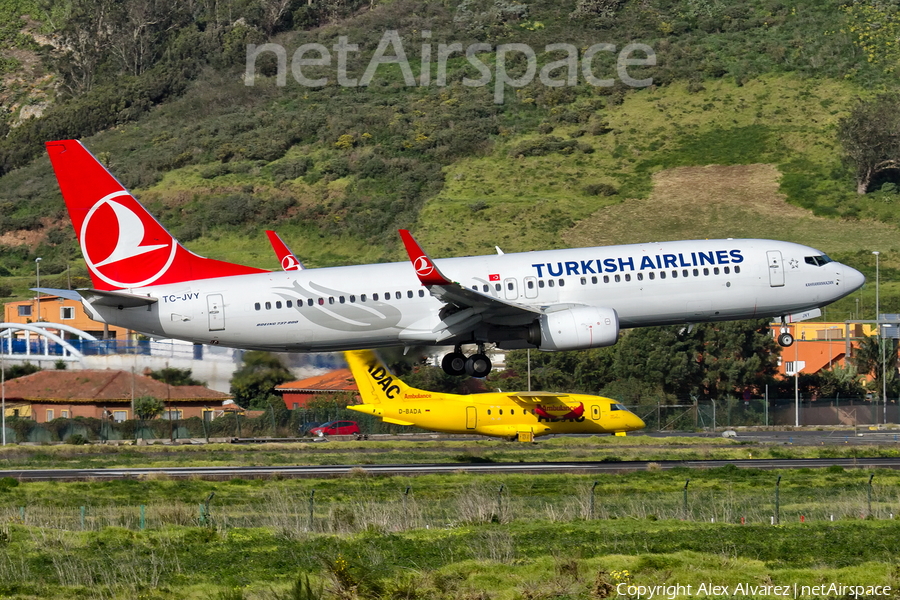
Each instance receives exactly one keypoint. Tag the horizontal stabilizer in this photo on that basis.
(67, 294)
(396, 421)
(117, 299)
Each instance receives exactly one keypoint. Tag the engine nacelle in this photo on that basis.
(575, 328)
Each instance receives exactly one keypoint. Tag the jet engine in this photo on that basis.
(575, 328)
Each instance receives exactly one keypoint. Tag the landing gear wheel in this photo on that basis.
(478, 365)
(454, 364)
(785, 340)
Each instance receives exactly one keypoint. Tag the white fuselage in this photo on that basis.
(376, 305)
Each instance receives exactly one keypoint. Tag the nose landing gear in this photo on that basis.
(456, 363)
(785, 339)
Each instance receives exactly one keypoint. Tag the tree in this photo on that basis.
(868, 359)
(585, 371)
(147, 408)
(870, 136)
(174, 376)
(712, 360)
(252, 384)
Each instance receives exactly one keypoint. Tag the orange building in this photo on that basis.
(297, 394)
(55, 309)
(51, 394)
(820, 345)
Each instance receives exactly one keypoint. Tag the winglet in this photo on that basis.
(289, 261)
(426, 270)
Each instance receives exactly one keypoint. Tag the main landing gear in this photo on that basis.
(456, 363)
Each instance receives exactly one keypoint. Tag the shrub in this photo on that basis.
(600, 189)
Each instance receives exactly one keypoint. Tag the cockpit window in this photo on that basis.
(818, 261)
(620, 407)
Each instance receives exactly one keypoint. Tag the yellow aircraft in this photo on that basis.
(519, 416)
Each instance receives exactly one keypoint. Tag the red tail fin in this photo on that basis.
(123, 245)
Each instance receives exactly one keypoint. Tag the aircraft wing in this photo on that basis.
(535, 397)
(465, 307)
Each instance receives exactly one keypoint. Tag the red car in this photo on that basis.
(335, 428)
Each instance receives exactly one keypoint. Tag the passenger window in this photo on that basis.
(685, 273)
(278, 304)
(551, 283)
(397, 295)
(485, 288)
(421, 293)
(362, 298)
(352, 299)
(706, 270)
(606, 279)
(509, 286)
(330, 299)
(489, 411)
(594, 279)
(375, 297)
(715, 270)
(289, 303)
(640, 276)
(651, 275)
(309, 301)
(497, 287)
(696, 272)
(627, 277)
(409, 293)
(737, 269)
(268, 306)
(256, 306)
(341, 300)
(530, 285)
(562, 282)
(541, 283)
(321, 301)
(674, 274)
(727, 270)
(662, 275)
(618, 278)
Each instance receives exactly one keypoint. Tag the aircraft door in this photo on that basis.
(531, 288)
(471, 417)
(511, 288)
(595, 412)
(216, 310)
(776, 268)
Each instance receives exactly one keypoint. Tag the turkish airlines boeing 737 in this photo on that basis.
(145, 280)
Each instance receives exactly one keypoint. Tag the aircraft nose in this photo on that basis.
(636, 423)
(853, 279)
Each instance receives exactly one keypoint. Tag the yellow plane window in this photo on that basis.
(489, 411)
(501, 411)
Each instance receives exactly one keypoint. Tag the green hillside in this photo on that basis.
(736, 138)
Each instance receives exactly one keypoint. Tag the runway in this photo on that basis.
(587, 467)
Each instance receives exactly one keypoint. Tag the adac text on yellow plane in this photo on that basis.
(513, 415)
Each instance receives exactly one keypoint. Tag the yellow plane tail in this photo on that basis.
(374, 379)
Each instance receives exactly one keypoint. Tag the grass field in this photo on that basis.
(436, 537)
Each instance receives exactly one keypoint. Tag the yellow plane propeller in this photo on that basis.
(514, 415)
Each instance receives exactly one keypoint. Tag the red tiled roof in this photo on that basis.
(95, 385)
(333, 381)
